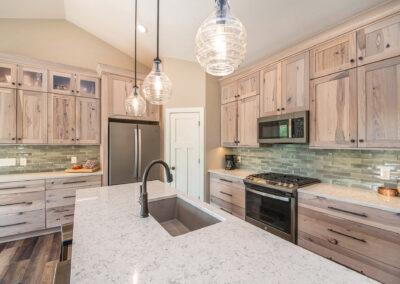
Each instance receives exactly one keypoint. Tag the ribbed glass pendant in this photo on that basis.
(221, 41)
(135, 104)
(157, 86)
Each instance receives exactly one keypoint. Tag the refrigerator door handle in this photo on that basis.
(140, 154)
(135, 164)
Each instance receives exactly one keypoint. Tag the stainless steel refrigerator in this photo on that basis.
(132, 147)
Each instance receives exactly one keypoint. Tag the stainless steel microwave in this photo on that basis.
(285, 128)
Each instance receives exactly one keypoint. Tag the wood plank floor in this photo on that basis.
(31, 260)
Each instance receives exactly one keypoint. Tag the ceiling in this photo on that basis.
(271, 25)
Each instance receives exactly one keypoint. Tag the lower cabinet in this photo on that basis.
(228, 194)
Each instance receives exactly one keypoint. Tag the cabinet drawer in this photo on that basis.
(228, 189)
(74, 182)
(21, 186)
(22, 222)
(366, 215)
(60, 197)
(21, 202)
(59, 216)
(381, 245)
(228, 207)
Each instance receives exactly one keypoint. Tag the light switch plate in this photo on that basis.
(73, 160)
(8, 162)
(385, 173)
(22, 162)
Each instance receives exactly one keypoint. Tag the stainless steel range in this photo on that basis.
(271, 202)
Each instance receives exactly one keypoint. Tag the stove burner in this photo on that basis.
(284, 180)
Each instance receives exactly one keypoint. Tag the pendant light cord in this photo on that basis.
(135, 39)
(158, 28)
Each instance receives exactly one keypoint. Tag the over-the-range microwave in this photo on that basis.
(285, 128)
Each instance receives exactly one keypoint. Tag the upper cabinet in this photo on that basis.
(229, 124)
(295, 83)
(379, 104)
(61, 119)
(248, 113)
(8, 115)
(333, 111)
(32, 78)
(62, 83)
(270, 91)
(87, 86)
(8, 75)
(87, 121)
(334, 56)
(229, 93)
(249, 86)
(379, 41)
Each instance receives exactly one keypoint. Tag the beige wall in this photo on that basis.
(61, 42)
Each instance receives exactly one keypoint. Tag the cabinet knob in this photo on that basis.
(388, 45)
(360, 58)
(352, 141)
(77, 139)
(361, 140)
(72, 91)
(283, 108)
(73, 139)
(352, 60)
(13, 83)
(77, 92)
(13, 138)
(173, 168)
(19, 84)
(19, 138)
(278, 109)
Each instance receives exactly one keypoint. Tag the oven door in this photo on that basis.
(273, 213)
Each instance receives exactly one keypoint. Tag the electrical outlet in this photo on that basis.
(22, 162)
(238, 158)
(8, 162)
(73, 160)
(385, 173)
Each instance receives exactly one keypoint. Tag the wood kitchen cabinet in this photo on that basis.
(8, 75)
(8, 115)
(248, 112)
(379, 104)
(333, 110)
(229, 124)
(61, 119)
(229, 92)
(62, 83)
(31, 117)
(87, 86)
(378, 41)
(334, 56)
(249, 86)
(87, 121)
(270, 90)
(32, 78)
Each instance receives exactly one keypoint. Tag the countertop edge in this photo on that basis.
(232, 175)
(43, 175)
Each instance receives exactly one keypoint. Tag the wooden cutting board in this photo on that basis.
(82, 170)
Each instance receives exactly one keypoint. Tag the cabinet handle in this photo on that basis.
(227, 211)
(333, 241)
(348, 212)
(10, 225)
(225, 193)
(361, 140)
(352, 60)
(352, 141)
(345, 235)
(225, 180)
(72, 182)
(70, 196)
(17, 187)
(388, 45)
(17, 203)
(69, 215)
(360, 58)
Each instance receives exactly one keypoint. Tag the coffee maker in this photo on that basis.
(230, 162)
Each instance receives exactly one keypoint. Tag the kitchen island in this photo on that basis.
(112, 244)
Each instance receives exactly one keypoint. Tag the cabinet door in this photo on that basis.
(229, 113)
(31, 117)
(87, 86)
(249, 86)
(61, 119)
(334, 56)
(379, 104)
(229, 93)
(270, 95)
(379, 41)
(120, 88)
(32, 79)
(8, 111)
(62, 83)
(8, 75)
(87, 121)
(247, 120)
(333, 111)
(295, 83)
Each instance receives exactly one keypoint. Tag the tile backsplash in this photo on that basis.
(355, 168)
(46, 158)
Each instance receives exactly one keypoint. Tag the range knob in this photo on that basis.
(291, 185)
(285, 184)
(279, 183)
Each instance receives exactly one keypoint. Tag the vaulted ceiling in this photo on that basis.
(271, 24)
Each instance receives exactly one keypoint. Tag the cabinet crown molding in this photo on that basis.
(108, 69)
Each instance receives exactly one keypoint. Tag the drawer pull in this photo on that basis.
(72, 182)
(16, 187)
(17, 203)
(349, 212)
(345, 235)
(69, 215)
(225, 180)
(333, 241)
(227, 211)
(10, 225)
(225, 193)
(70, 196)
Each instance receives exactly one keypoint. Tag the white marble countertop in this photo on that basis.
(43, 175)
(353, 195)
(112, 244)
(238, 173)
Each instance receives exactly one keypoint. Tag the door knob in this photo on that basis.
(173, 168)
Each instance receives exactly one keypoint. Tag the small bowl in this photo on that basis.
(387, 191)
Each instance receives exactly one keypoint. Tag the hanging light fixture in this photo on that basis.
(135, 104)
(221, 41)
(157, 86)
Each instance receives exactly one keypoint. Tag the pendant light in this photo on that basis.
(135, 105)
(221, 41)
(157, 86)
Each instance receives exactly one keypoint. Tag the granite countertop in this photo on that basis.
(43, 175)
(112, 244)
(358, 196)
(238, 173)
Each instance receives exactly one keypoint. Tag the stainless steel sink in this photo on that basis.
(179, 217)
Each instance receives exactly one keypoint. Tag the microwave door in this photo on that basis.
(276, 129)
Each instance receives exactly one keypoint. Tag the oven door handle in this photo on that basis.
(286, 199)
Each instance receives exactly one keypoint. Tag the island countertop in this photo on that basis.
(112, 244)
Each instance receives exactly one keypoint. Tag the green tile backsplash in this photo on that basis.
(355, 168)
(47, 158)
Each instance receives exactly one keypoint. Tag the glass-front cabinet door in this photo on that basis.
(32, 79)
(62, 83)
(8, 75)
(87, 86)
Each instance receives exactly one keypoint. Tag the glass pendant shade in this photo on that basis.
(156, 86)
(221, 41)
(135, 105)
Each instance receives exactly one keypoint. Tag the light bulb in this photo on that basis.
(157, 86)
(135, 104)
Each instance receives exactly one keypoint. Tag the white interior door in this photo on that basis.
(185, 152)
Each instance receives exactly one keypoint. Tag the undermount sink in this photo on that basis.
(179, 217)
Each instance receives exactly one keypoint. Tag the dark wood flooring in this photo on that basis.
(31, 260)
